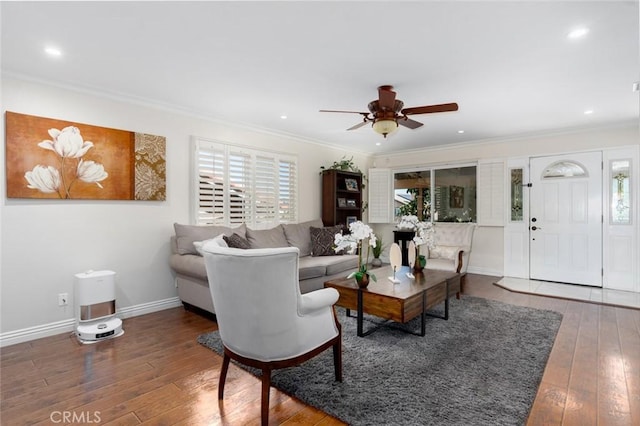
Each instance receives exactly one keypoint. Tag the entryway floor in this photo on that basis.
(604, 296)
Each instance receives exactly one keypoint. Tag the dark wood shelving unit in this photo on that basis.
(341, 197)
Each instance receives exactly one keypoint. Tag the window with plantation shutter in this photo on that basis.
(235, 185)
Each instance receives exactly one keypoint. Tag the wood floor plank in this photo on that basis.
(613, 399)
(548, 407)
(627, 321)
(157, 374)
(581, 404)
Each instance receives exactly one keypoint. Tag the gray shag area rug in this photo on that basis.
(481, 367)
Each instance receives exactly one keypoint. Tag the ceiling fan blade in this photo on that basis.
(348, 112)
(357, 126)
(407, 122)
(428, 109)
(386, 97)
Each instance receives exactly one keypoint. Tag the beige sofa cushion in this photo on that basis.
(267, 238)
(298, 235)
(187, 234)
(317, 266)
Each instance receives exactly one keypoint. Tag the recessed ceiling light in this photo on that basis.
(461, 131)
(284, 117)
(53, 51)
(378, 144)
(578, 32)
(589, 111)
(636, 86)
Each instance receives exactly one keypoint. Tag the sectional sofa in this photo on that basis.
(318, 262)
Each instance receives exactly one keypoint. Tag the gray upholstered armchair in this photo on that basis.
(263, 319)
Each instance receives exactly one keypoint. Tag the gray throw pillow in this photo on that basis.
(298, 235)
(236, 241)
(322, 240)
(267, 238)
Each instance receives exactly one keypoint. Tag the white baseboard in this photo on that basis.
(484, 271)
(68, 325)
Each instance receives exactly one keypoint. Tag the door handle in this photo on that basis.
(533, 228)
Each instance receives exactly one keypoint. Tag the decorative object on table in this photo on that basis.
(395, 258)
(377, 252)
(351, 184)
(424, 236)
(359, 235)
(342, 202)
(412, 259)
(54, 159)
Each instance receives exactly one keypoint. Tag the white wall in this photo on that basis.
(46, 242)
(487, 255)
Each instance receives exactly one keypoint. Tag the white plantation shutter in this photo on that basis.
(236, 185)
(380, 196)
(239, 195)
(288, 191)
(265, 190)
(490, 201)
(210, 183)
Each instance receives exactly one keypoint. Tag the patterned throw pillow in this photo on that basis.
(443, 252)
(322, 240)
(236, 241)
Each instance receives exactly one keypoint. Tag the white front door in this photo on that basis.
(565, 220)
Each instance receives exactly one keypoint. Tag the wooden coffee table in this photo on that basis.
(399, 302)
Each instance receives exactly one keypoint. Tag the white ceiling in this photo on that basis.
(509, 65)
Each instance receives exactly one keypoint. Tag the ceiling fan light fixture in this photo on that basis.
(385, 126)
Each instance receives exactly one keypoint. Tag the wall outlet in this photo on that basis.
(63, 299)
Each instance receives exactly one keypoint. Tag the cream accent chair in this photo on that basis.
(452, 246)
(263, 319)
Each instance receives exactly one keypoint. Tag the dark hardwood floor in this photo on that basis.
(157, 374)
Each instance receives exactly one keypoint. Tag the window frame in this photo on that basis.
(432, 170)
(266, 183)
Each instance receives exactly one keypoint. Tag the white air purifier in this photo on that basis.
(95, 306)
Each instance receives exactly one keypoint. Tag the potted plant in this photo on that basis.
(360, 235)
(345, 164)
(377, 251)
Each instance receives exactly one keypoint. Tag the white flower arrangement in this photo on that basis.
(358, 233)
(424, 230)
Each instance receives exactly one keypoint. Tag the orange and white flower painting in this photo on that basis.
(48, 158)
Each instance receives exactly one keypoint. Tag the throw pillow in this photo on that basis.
(298, 235)
(267, 238)
(443, 252)
(236, 241)
(217, 241)
(322, 240)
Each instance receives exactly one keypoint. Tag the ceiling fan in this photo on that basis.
(387, 112)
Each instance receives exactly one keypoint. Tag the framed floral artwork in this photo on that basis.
(456, 197)
(56, 159)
